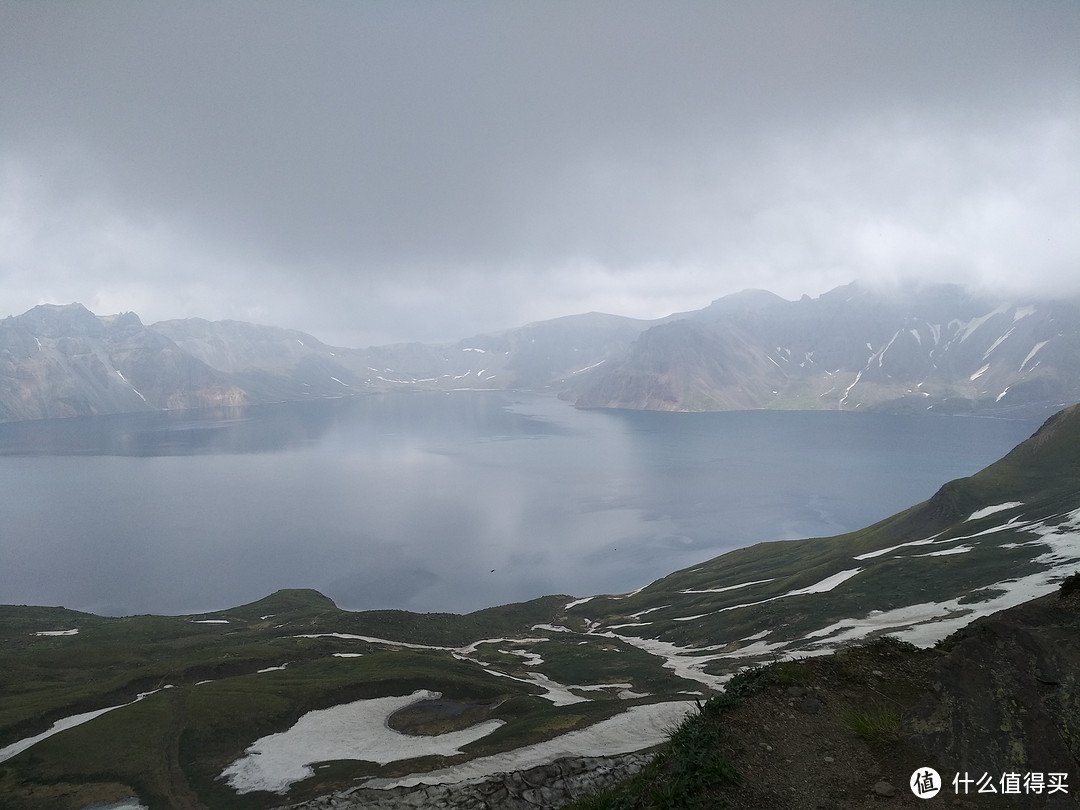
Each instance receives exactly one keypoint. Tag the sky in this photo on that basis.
(375, 172)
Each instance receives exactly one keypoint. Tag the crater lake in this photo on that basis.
(440, 502)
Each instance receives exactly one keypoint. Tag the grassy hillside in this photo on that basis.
(752, 590)
(220, 681)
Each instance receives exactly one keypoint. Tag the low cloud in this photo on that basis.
(415, 172)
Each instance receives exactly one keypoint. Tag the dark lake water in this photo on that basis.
(442, 501)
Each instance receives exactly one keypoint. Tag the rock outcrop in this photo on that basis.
(545, 786)
(1006, 698)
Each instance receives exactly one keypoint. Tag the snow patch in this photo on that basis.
(557, 693)
(576, 602)
(847, 390)
(551, 628)
(927, 623)
(870, 554)
(356, 730)
(824, 585)
(641, 613)
(1032, 353)
(728, 587)
(132, 387)
(637, 728)
(64, 724)
(948, 552)
(968, 327)
(587, 368)
(997, 343)
(131, 803)
(881, 354)
(989, 510)
(686, 662)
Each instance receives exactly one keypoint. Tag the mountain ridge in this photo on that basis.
(60, 361)
(937, 349)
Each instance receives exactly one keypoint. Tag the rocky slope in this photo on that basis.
(546, 786)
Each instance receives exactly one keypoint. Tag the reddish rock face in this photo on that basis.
(61, 361)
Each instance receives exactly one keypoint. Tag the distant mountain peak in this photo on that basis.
(909, 349)
(745, 300)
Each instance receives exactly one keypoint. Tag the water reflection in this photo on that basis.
(354, 421)
(436, 501)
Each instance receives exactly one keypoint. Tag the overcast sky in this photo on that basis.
(383, 171)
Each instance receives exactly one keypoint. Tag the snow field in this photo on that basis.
(356, 730)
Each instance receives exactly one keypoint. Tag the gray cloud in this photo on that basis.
(409, 170)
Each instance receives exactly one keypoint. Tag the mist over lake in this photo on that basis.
(440, 502)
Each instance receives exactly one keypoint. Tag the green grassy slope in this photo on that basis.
(749, 591)
(210, 701)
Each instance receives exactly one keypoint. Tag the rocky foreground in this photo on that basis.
(551, 785)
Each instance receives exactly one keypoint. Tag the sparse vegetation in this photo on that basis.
(877, 724)
(681, 777)
(1070, 585)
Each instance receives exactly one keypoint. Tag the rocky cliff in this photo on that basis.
(938, 348)
(58, 361)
